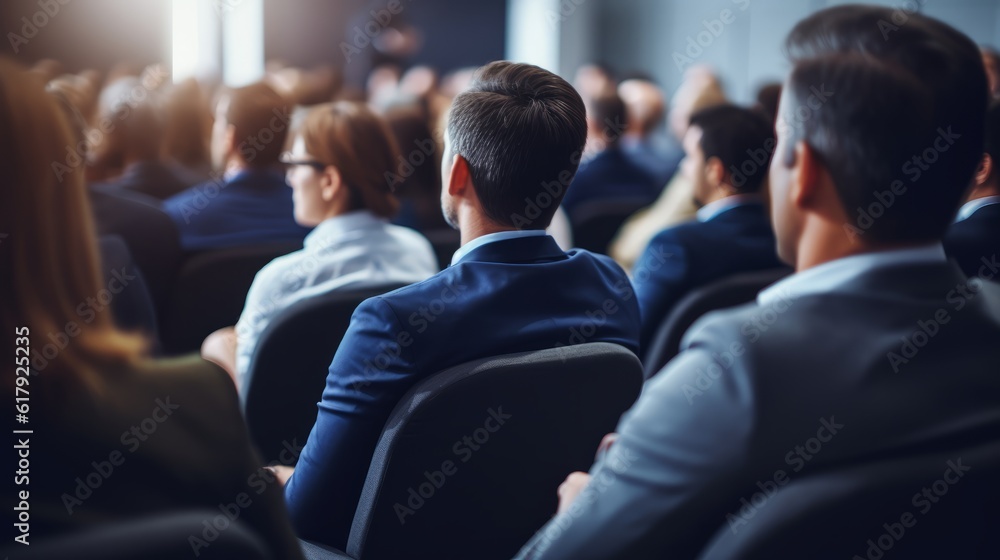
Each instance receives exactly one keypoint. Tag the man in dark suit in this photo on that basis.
(727, 150)
(250, 203)
(509, 288)
(873, 349)
(974, 239)
(610, 174)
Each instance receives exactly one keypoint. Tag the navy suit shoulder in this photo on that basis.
(610, 175)
(974, 243)
(507, 296)
(691, 255)
(253, 207)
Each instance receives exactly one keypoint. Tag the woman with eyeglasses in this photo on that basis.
(337, 169)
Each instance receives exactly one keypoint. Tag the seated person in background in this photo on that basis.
(417, 182)
(150, 235)
(974, 239)
(727, 153)
(833, 361)
(510, 288)
(336, 171)
(188, 131)
(134, 144)
(252, 204)
(130, 301)
(699, 90)
(94, 393)
(608, 174)
(645, 142)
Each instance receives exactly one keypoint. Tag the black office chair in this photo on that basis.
(531, 419)
(445, 242)
(878, 510)
(160, 537)
(210, 291)
(596, 223)
(728, 292)
(289, 365)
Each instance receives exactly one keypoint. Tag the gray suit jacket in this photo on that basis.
(901, 360)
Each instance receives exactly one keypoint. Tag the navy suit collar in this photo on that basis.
(521, 250)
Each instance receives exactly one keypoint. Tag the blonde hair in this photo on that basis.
(49, 261)
(352, 138)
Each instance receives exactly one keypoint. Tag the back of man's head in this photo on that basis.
(522, 131)
(607, 117)
(260, 118)
(894, 111)
(742, 139)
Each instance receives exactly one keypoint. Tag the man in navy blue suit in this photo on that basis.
(513, 144)
(252, 203)
(727, 152)
(973, 241)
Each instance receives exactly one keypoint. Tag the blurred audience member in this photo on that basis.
(335, 169)
(699, 90)
(974, 239)
(833, 354)
(150, 235)
(732, 233)
(768, 97)
(98, 382)
(188, 129)
(644, 143)
(508, 277)
(415, 176)
(608, 174)
(991, 60)
(252, 204)
(134, 143)
(594, 79)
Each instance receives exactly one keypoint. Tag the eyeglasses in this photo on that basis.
(290, 162)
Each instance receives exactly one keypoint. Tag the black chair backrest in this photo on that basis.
(596, 223)
(470, 459)
(210, 291)
(289, 365)
(163, 537)
(728, 292)
(928, 506)
(445, 242)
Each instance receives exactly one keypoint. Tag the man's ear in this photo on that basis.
(808, 171)
(460, 177)
(984, 170)
(715, 171)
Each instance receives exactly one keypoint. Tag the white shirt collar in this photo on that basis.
(332, 228)
(492, 238)
(713, 209)
(970, 208)
(831, 275)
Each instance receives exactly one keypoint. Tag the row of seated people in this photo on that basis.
(861, 287)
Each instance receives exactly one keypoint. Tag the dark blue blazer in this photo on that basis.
(693, 254)
(611, 174)
(150, 178)
(254, 207)
(974, 243)
(503, 297)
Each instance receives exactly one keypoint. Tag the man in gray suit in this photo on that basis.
(873, 349)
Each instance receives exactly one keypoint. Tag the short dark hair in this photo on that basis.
(896, 90)
(742, 139)
(608, 109)
(260, 117)
(522, 130)
(992, 144)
